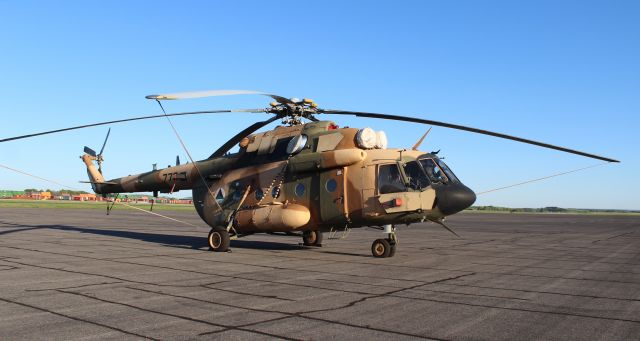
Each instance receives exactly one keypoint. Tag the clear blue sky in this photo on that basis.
(563, 72)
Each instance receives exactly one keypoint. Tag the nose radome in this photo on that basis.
(454, 198)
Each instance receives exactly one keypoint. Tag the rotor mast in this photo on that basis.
(293, 111)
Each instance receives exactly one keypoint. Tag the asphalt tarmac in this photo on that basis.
(79, 274)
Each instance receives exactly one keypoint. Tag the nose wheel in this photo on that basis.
(383, 248)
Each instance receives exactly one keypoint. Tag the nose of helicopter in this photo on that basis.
(453, 198)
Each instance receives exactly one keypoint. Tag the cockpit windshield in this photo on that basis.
(447, 171)
(438, 171)
(433, 171)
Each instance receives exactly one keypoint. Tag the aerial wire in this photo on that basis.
(542, 178)
(37, 177)
(204, 182)
(77, 189)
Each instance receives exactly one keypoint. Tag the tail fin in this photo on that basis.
(95, 174)
(95, 177)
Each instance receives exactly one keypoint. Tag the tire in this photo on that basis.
(312, 238)
(380, 248)
(219, 240)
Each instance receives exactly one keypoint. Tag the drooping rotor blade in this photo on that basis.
(470, 129)
(239, 136)
(213, 93)
(105, 141)
(89, 151)
(441, 223)
(130, 119)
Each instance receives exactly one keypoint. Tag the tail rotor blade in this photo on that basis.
(105, 141)
(89, 151)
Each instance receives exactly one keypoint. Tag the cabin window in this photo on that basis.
(389, 179)
(331, 185)
(238, 191)
(275, 192)
(259, 194)
(300, 189)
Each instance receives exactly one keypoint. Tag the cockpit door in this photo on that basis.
(379, 179)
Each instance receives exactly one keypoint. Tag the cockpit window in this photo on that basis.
(433, 171)
(447, 171)
(389, 179)
(438, 171)
(415, 176)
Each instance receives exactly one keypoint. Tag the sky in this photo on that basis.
(562, 72)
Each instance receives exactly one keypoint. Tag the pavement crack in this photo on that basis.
(73, 287)
(77, 318)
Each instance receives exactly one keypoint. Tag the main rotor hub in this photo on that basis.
(294, 111)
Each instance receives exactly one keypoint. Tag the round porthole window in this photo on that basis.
(331, 185)
(275, 192)
(237, 191)
(259, 194)
(300, 190)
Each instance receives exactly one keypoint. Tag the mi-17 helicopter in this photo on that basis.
(306, 178)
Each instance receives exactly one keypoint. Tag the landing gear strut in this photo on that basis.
(219, 240)
(382, 248)
(312, 238)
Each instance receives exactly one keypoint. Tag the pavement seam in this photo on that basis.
(76, 318)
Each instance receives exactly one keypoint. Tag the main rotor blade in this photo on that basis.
(214, 93)
(130, 119)
(239, 136)
(105, 141)
(470, 129)
(441, 223)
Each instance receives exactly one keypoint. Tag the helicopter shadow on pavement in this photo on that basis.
(171, 240)
(179, 241)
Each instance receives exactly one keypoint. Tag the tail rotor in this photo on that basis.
(98, 156)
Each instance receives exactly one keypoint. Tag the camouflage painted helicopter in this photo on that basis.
(307, 178)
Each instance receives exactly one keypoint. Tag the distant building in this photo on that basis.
(84, 197)
(39, 195)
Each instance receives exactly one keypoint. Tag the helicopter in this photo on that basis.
(303, 178)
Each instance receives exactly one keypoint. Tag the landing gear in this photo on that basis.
(383, 248)
(219, 240)
(312, 238)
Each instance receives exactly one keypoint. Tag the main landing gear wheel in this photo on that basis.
(312, 238)
(219, 240)
(381, 248)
